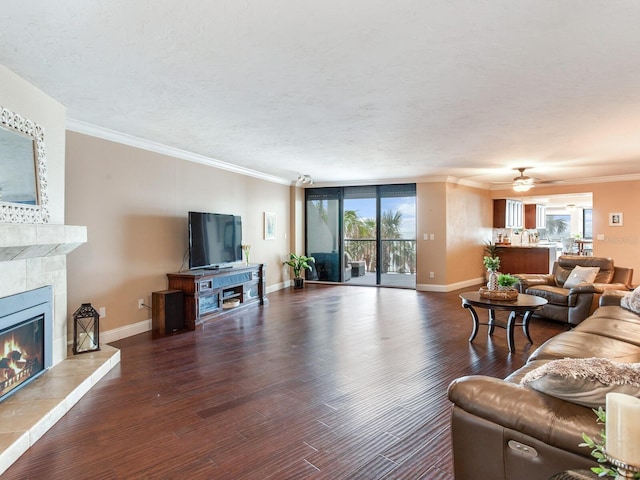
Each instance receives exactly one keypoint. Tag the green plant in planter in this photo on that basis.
(299, 263)
(506, 281)
(491, 263)
(491, 249)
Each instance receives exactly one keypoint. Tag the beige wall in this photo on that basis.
(620, 243)
(469, 226)
(17, 276)
(431, 215)
(296, 241)
(135, 203)
(460, 218)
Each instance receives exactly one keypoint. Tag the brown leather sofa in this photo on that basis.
(502, 430)
(575, 304)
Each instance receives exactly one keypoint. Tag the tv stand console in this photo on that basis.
(209, 294)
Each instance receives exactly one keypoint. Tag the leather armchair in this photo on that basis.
(574, 304)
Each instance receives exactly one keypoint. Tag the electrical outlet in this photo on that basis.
(140, 303)
(432, 275)
(103, 312)
(432, 236)
(425, 236)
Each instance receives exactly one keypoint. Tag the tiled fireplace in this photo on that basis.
(34, 256)
(32, 266)
(39, 380)
(25, 338)
(34, 244)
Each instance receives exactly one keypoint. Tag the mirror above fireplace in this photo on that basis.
(23, 182)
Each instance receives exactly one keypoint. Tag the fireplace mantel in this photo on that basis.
(21, 241)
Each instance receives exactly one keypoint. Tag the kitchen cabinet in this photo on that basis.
(534, 216)
(507, 213)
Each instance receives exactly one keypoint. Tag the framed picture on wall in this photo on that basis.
(615, 219)
(269, 226)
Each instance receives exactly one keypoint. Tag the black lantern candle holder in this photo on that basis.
(86, 329)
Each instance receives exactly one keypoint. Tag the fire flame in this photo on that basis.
(12, 353)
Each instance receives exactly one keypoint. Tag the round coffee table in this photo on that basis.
(524, 304)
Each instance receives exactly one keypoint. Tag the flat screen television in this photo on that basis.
(215, 240)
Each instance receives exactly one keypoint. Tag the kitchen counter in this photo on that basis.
(527, 258)
(529, 245)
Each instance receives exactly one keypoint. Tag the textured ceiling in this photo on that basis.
(352, 90)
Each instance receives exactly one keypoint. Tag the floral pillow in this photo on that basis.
(585, 381)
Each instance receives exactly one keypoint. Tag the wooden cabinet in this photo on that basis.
(211, 293)
(507, 213)
(534, 216)
(526, 259)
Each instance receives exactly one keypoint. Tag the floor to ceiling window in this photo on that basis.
(398, 235)
(363, 235)
(323, 222)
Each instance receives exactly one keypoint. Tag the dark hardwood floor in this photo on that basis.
(330, 382)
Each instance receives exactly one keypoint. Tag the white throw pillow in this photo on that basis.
(581, 275)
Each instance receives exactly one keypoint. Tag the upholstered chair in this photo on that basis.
(573, 293)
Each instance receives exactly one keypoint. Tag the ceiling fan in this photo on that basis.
(524, 183)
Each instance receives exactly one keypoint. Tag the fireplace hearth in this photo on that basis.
(25, 338)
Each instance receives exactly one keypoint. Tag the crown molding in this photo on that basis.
(392, 181)
(125, 139)
(360, 183)
(616, 178)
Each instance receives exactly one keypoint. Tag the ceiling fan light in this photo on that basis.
(522, 187)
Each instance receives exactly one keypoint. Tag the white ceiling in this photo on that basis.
(351, 91)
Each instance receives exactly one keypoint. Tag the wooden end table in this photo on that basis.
(524, 304)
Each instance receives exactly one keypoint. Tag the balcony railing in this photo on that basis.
(398, 255)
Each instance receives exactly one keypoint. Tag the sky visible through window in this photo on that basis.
(366, 208)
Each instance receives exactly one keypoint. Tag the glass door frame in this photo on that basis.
(338, 193)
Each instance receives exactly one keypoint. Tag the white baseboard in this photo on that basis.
(450, 287)
(278, 286)
(126, 331)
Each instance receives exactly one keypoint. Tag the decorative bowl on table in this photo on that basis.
(510, 294)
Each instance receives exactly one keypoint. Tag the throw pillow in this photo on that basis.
(581, 275)
(585, 381)
(631, 301)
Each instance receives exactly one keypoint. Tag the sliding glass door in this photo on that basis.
(323, 234)
(398, 235)
(363, 235)
(360, 233)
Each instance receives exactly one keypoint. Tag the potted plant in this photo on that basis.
(491, 249)
(299, 263)
(492, 264)
(506, 281)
